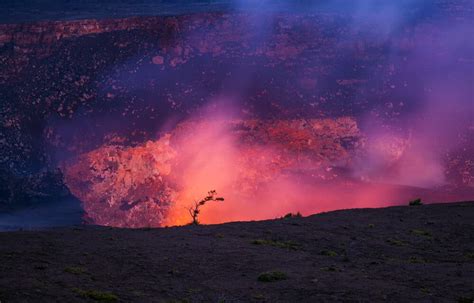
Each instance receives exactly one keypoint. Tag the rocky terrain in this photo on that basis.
(398, 254)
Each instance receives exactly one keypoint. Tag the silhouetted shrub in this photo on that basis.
(416, 202)
(292, 215)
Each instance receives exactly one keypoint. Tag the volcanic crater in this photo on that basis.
(137, 117)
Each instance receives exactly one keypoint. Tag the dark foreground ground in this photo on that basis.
(398, 254)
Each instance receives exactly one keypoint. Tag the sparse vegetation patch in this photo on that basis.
(415, 260)
(96, 295)
(272, 276)
(420, 232)
(328, 253)
(75, 270)
(396, 242)
(281, 244)
(470, 255)
(329, 268)
(466, 299)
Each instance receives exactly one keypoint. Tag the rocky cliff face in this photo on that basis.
(125, 187)
(20, 44)
(65, 75)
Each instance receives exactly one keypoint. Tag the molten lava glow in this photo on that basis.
(250, 174)
(208, 160)
(251, 163)
(263, 169)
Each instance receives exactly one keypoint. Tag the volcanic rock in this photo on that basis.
(122, 186)
(158, 60)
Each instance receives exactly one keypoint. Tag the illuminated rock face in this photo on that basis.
(139, 186)
(124, 187)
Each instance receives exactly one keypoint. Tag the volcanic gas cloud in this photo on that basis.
(328, 112)
(265, 168)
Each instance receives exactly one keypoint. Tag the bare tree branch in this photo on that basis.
(194, 211)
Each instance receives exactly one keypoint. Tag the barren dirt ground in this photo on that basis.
(398, 254)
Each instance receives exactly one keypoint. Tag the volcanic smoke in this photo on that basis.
(268, 156)
(264, 169)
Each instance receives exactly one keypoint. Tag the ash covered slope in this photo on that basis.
(401, 254)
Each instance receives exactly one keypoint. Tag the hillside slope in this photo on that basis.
(400, 254)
